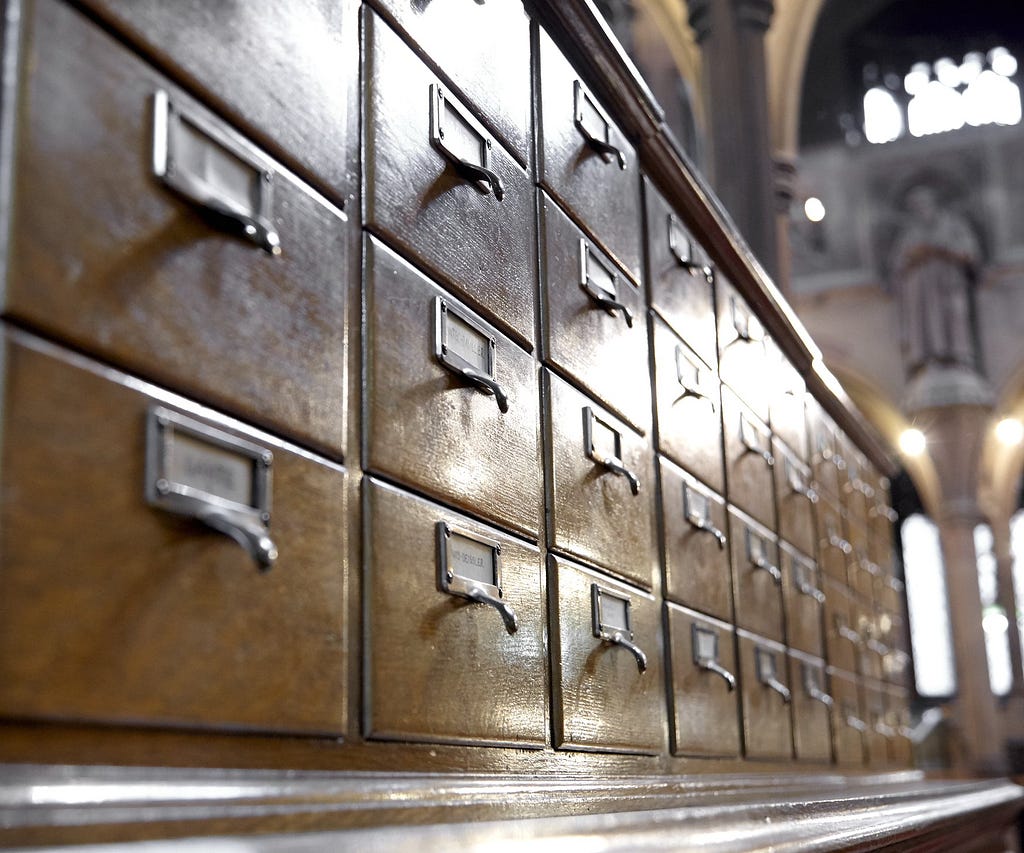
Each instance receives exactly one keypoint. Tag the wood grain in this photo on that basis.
(847, 741)
(750, 477)
(758, 594)
(803, 611)
(841, 649)
(767, 729)
(428, 427)
(438, 667)
(795, 509)
(104, 256)
(604, 198)
(743, 364)
(114, 611)
(482, 248)
(812, 734)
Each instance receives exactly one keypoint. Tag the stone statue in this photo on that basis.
(933, 265)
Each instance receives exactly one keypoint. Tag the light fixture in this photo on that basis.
(814, 209)
(912, 442)
(1010, 432)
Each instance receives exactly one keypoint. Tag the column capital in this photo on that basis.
(751, 14)
(756, 14)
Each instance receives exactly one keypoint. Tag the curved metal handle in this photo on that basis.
(698, 395)
(508, 615)
(819, 695)
(780, 688)
(855, 723)
(616, 466)
(251, 535)
(253, 228)
(603, 147)
(609, 304)
(764, 565)
(805, 491)
(715, 667)
(485, 178)
(837, 541)
(486, 384)
(620, 639)
(706, 525)
(766, 455)
(847, 633)
(812, 591)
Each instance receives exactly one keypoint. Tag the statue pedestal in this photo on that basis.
(940, 385)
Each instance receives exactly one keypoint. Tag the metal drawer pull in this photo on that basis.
(808, 589)
(682, 249)
(766, 674)
(763, 564)
(220, 480)
(855, 723)
(689, 379)
(601, 284)
(757, 557)
(591, 121)
(747, 327)
(797, 484)
(812, 688)
(463, 346)
(469, 566)
(462, 142)
(705, 654)
(697, 508)
(206, 165)
(611, 620)
(749, 435)
(847, 633)
(603, 444)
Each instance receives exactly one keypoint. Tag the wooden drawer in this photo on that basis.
(872, 650)
(812, 734)
(742, 353)
(484, 50)
(787, 413)
(584, 161)
(705, 701)
(862, 572)
(795, 499)
(688, 397)
(842, 642)
(277, 68)
(602, 346)
(825, 458)
(858, 494)
(473, 442)
(679, 277)
(804, 600)
(878, 733)
(600, 497)
(607, 696)
(121, 264)
(834, 551)
(748, 460)
(455, 647)
(764, 676)
(848, 727)
(162, 620)
(695, 528)
(755, 560)
(422, 193)
(897, 718)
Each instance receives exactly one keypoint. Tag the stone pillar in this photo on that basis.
(1007, 599)
(731, 37)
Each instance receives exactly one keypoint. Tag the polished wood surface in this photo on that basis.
(848, 724)
(115, 611)
(748, 460)
(767, 728)
(795, 500)
(104, 256)
(604, 349)
(603, 700)
(802, 588)
(481, 247)
(812, 736)
(757, 575)
(439, 667)
(452, 439)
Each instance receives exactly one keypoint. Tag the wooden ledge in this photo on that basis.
(374, 811)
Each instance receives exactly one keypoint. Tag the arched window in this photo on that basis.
(930, 636)
(993, 616)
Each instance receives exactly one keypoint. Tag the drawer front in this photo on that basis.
(607, 696)
(601, 489)
(878, 732)
(584, 333)
(795, 499)
(584, 160)
(705, 701)
(812, 735)
(451, 403)
(696, 544)
(897, 717)
(679, 277)
(742, 352)
(755, 560)
(848, 727)
(842, 642)
(861, 570)
(805, 601)
(484, 49)
(767, 730)
(787, 413)
(825, 456)
(689, 402)
(129, 266)
(275, 67)
(834, 551)
(872, 649)
(454, 627)
(163, 619)
(431, 174)
(748, 460)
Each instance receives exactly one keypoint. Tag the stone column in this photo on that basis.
(1007, 599)
(731, 37)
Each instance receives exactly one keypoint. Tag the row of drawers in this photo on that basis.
(166, 623)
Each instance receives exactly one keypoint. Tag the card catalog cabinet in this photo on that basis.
(366, 382)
